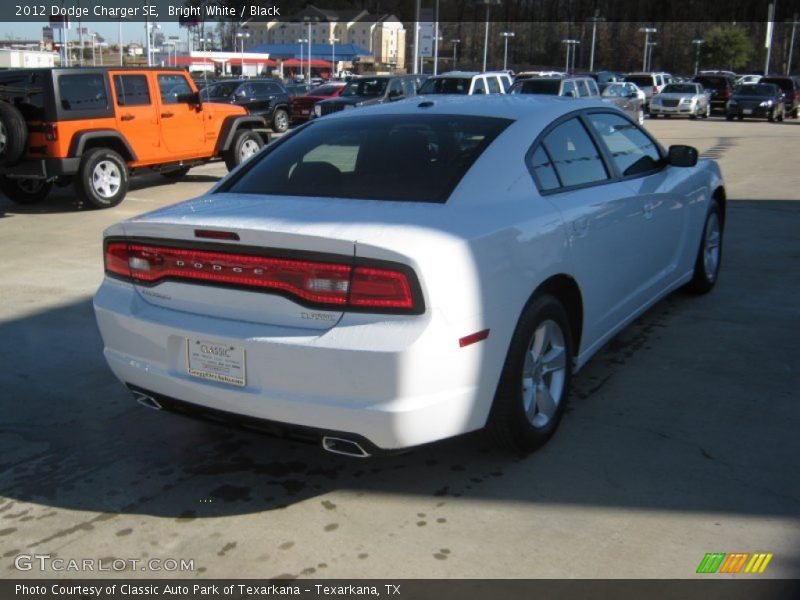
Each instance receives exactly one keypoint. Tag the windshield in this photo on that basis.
(759, 89)
(537, 86)
(365, 87)
(324, 90)
(446, 85)
(219, 90)
(681, 88)
(349, 158)
(713, 82)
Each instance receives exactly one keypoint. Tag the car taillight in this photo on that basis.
(727, 92)
(50, 132)
(336, 285)
(793, 95)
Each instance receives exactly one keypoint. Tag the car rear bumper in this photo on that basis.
(669, 110)
(45, 168)
(755, 113)
(392, 383)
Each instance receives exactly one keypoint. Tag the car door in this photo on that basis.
(135, 109)
(653, 201)
(182, 126)
(602, 227)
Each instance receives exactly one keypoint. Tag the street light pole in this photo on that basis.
(570, 43)
(93, 35)
(646, 31)
(594, 21)
(506, 35)
(697, 43)
(333, 56)
(650, 55)
(436, 39)
(489, 4)
(120, 42)
(301, 41)
(455, 43)
(794, 23)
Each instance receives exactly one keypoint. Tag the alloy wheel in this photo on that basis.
(248, 149)
(544, 373)
(3, 138)
(106, 179)
(711, 246)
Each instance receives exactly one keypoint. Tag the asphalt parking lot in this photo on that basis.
(681, 437)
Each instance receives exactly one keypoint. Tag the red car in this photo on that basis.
(303, 106)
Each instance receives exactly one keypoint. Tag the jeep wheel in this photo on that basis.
(175, 173)
(25, 191)
(102, 179)
(280, 121)
(244, 146)
(13, 134)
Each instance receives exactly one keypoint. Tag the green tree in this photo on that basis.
(727, 47)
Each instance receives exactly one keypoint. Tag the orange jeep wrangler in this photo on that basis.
(93, 127)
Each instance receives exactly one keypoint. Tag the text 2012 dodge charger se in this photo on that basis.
(404, 273)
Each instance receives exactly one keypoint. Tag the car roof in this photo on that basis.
(457, 74)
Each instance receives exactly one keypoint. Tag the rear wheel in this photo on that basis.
(532, 392)
(709, 255)
(244, 146)
(13, 134)
(25, 191)
(729, 117)
(795, 112)
(102, 179)
(708, 111)
(280, 121)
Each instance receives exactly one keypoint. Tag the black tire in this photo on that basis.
(13, 134)
(706, 274)
(280, 121)
(25, 191)
(693, 117)
(175, 173)
(771, 117)
(729, 117)
(509, 424)
(243, 139)
(98, 163)
(795, 112)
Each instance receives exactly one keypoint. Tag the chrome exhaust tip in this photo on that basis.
(345, 447)
(146, 400)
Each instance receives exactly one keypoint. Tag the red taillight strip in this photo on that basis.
(473, 338)
(323, 283)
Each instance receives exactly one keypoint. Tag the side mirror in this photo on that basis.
(188, 98)
(682, 156)
(570, 94)
(394, 94)
(632, 95)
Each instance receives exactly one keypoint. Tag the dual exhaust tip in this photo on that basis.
(333, 445)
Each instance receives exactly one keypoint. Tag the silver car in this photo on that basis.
(626, 97)
(687, 99)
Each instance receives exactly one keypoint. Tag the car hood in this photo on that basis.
(753, 98)
(223, 108)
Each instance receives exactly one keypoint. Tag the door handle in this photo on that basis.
(648, 210)
(127, 118)
(167, 115)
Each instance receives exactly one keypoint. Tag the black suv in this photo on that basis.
(267, 98)
(364, 91)
(791, 91)
(720, 89)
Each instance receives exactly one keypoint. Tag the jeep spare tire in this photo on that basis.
(13, 134)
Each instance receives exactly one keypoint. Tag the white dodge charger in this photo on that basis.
(404, 273)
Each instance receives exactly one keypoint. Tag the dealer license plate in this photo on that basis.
(748, 111)
(304, 112)
(218, 362)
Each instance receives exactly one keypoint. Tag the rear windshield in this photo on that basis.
(537, 86)
(414, 158)
(26, 91)
(784, 83)
(712, 82)
(446, 85)
(640, 80)
(365, 87)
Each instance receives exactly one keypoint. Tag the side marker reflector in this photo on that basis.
(478, 336)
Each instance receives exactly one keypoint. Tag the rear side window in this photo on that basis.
(26, 92)
(494, 85)
(536, 86)
(132, 90)
(414, 158)
(543, 170)
(575, 157)
(480, 87)
(445, 85)
(569, 89)
(409, 87)
(583, 88)
(593, 89)
(85, 91)
(640, 80)
(632, 151)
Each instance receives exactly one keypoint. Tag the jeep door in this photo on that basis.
(135, 110)
(182, 125)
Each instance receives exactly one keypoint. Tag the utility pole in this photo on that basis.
(455, 43)
(794, 23)
(646, 31)
(506, 35)
(415, 70)
(768, 40)
(436, 39)
(697, 43)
